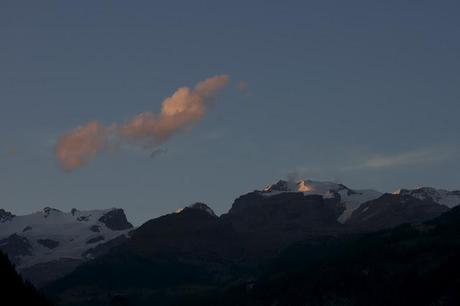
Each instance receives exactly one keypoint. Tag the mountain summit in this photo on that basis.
(440, 196)
(198, 206)
(349, 198)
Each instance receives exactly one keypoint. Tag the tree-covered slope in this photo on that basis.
(408, 265)
(13, 290)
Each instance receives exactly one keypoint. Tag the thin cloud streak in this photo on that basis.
(415, 157)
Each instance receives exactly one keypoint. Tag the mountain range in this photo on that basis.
(192, 252)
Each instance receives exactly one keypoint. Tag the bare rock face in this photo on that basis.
(48, 243)
(47, 211)
(270, 223)
(5, 216)
(15, 246)
(95, 228)
(192, 233)
(282, 212)
(116, 220)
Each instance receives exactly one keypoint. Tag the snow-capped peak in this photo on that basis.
(350, 198)
(51, 234)
(305, 186)
(47, 211)
(440, 196)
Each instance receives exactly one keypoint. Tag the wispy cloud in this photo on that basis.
(406, 158)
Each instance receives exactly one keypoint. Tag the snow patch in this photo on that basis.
(69, 230)
(440, 196)
(350, 198)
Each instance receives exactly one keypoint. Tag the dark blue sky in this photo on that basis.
(363, 92)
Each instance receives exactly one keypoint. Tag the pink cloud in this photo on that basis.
(185, 107)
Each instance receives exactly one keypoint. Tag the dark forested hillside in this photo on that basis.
(408, 265)
(13, 290)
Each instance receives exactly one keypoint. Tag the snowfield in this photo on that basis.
(51, 234)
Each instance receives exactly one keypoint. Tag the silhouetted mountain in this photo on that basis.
(192, 252)
(175, 253)
(13, 290)
(183, 259)
(193, 249)
(194, 233)
(408, 265)
(269, 223)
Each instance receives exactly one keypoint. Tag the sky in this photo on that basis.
(366, 93)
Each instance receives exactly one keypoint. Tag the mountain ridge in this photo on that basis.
(257, 226)
(54, 240)
(191, 255)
